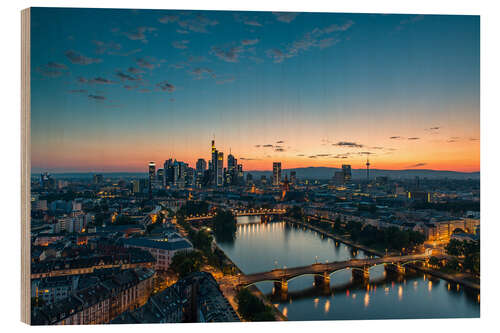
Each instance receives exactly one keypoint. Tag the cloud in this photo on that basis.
(257, 146)
(347, 144)
(202, 73)
(127, 77)
(453, 139)
(276, 54)
(251, 21)
(247, 42)
(147, 62)
(135, 70)
(106, 47)
(97, 80)
(281, 141)
(165, 86)
(341, 156)
(317, 38)
(80, 59)
(301, 155)
(413, 138)
(229, 54)
(396, 137)
(268, 146)
(233, 51)
(194, 22)
(168, 19)
(97, 97)
(285, 17)
(409, 20)
(249, 159)
(225, 80)
(140, 33)
(180, 44)
(279, 149)
(417, 165)
(52, 69)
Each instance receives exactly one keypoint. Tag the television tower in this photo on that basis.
(367, 169)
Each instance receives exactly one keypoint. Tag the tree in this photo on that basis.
(455, 248)
(185, 263)
(433, 261)
(224, 225)
(472, 263)
(252, 308)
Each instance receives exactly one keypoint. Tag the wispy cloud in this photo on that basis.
(251, 21)
(347, 144)
(97, 97)
(318, 38)
(414, 138)
(148, 62)
(418, 165)
(80, 59)
(285, 17)
(202, 73)
(180, 44)
(249, 41)
(96, 80)
(165, 86)
(52, 69)
(190, 22)
(106, 47)
(410, 20)
(140, 33)
(396, 137)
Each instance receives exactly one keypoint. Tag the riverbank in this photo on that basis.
(278, 315)
(455, 278)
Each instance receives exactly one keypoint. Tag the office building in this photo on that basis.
(276, 173)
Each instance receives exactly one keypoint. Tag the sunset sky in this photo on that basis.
(114, 89)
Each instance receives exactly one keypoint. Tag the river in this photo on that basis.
(262, 247)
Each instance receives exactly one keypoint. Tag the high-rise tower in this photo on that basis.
(367, 169)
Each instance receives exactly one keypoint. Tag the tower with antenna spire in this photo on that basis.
(367, 169)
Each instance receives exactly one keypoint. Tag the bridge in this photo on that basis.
(321, 271)
(240, 212)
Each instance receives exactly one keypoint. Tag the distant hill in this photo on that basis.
(327, 173)
(309, 173)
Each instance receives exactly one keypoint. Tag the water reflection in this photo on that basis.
(261, 247)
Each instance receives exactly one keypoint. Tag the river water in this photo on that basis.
(262, 247)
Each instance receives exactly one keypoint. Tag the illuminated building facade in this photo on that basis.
(276, 173)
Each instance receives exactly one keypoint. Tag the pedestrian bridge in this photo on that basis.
(322, 271)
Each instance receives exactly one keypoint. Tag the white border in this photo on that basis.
(490, 162)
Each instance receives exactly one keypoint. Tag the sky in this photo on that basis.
(113, 89)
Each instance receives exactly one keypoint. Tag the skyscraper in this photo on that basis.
(231, 169)
(293, 177)
(346, 170)
(152, 176)
(213, 165)
(201, 167)
(220, 169)
(168, 172)
(276, 173)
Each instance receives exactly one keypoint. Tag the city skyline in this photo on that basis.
(305, 89)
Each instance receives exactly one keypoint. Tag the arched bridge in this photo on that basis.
(360, 269)
(240, 212)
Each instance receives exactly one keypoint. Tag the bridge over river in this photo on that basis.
(360, 269)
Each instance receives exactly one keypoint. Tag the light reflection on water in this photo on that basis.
(262, 247)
